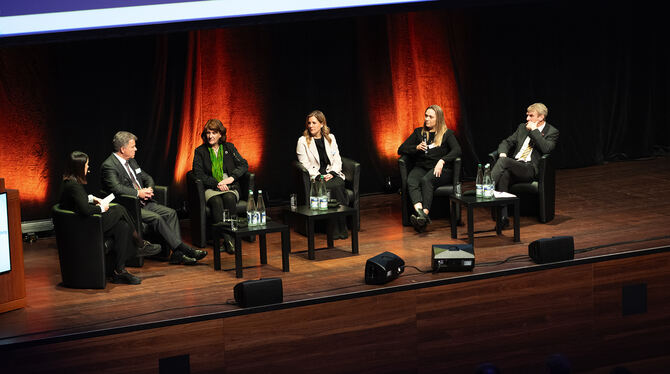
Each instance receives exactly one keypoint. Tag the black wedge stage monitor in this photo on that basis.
(30, 17)
(5, 263)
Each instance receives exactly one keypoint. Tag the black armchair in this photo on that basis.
(539, 196)
(84, 256)
(132, 205)
(352, 179)
(440, 206)
(199, 211)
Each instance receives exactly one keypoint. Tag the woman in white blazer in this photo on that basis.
(318, 152)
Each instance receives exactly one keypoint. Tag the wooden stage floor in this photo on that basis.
(615, 207)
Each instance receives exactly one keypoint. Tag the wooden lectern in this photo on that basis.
(12, 283)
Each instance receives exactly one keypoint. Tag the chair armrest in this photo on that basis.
(404, 164)
(352, 174)
(545, 174)
(301, 181)
(161, 195)
(247, 182)
(457, 171)
(493, 156)
(132, 205)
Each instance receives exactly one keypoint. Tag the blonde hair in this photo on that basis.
(325, 130)
(440, 125)
(539, 108)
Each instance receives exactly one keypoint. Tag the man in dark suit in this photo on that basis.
(122, 175)
(528, 144)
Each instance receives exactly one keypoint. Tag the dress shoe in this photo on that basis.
(125, 277)
(424, 216)
(197, 254)
(178, 258)
(148, 249)
(418, 223)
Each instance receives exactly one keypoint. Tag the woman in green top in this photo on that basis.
(219, 165)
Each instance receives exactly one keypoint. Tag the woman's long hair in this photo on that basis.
(440, 125)
(325, 131)
(74, 170)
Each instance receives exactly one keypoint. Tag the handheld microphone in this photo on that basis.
(425, 140)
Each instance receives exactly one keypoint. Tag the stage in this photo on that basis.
(615, 211)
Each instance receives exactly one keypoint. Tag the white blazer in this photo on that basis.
(309, 156)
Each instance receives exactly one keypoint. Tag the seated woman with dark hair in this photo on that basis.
(219, 165)
(318, 152)
(432, 149)
(116, 223)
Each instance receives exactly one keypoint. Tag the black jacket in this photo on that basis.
(236, 165)
(542, 142)
(73, 197)
(448, 151)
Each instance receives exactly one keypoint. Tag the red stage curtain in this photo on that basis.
(420, 71)
(223, 79)
(24, 159)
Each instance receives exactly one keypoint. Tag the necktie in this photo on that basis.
(526, 152)
(132, 176)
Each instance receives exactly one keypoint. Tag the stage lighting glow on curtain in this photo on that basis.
(223, 82)
(45, 16)
(24, 150)
(420, 73)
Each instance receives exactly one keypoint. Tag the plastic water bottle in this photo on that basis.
(479, 182)
(323, 194)
(314, 195)
(252, 219)
(260, 208)
(488, 182)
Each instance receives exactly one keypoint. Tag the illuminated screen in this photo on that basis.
(47, 16)
(5, 263)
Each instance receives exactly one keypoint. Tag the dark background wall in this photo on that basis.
(601, 68)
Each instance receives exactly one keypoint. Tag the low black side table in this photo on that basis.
(218, 229)
(330, 214)
(470, 200)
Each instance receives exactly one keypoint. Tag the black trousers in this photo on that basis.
(220, 202)
(508, 170)
(118, 225)
(336, 187)
(421, 184)
(163, 220)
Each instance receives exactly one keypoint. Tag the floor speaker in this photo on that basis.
(259, 292)
(557, 248)
(383, 268)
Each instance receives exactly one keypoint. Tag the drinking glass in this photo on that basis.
(294, 201)
(233, 222)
